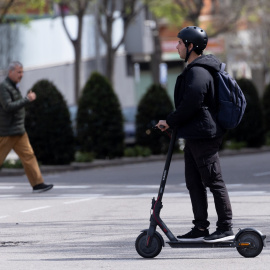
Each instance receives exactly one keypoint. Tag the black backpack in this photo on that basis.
(230, 98)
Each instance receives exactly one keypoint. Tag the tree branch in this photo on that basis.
(127, 19)
(5, 10)
(64, 24)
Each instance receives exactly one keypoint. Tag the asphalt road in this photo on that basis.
(91, 218)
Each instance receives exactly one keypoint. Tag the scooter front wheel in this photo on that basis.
(255, 244)
(150, 251)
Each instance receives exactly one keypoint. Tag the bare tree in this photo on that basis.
(9, 46)
(21, 7)
(191, 9)
(224, 16)
(256, 51)
(156, 56)
(78, 8)
(4, 8)
(175, 12)
(109, 12)
(5, 32)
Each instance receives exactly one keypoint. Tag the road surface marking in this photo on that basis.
(6, 187)
(246, 193)
(261, 174)
(10, 196)
(143, 186)
(234, 185)
(35, 209)
(81, 200)
(70, 187)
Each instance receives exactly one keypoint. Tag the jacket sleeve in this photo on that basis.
(192, 100)
(8, 104)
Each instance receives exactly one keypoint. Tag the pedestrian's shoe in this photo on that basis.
(195, 235)
(41, 188)
(219, 236)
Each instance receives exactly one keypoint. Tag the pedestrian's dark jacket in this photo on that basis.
(12, 112)
(195, 103)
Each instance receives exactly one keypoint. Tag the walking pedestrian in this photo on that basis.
(12, 128)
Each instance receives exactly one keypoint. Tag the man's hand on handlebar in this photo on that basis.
(162, 125)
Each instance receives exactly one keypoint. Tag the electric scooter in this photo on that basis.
(249, 242)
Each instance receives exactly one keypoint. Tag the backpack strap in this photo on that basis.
(222, 67)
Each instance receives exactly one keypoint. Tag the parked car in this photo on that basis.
(73, 109)
(129, 114)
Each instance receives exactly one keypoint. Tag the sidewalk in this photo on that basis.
(121, 161)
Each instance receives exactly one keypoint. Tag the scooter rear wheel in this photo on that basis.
(151, 251)
(256, 244)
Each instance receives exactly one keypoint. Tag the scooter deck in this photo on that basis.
(200, 244)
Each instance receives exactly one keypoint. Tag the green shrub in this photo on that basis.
(155, 105)
(48, 125)
(267, 138)
(250, 130)
(129, 152)
(233, 145)
(84, 157)
(137, 151)
(11, 163)
(100, 120)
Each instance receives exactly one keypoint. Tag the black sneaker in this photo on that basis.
(219, 236)
(194, 235)
(41, 188)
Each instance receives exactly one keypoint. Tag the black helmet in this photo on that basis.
(194, 35)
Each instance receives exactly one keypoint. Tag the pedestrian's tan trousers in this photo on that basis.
(22, 147)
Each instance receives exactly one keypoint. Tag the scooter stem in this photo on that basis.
(167, 165)
(155, 219)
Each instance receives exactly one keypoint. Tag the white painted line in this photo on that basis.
(234, 185)
(35, 209)
(71, 187)
(81, 200)
(6, 187)
(246, 193)
(79, 195)
(9, 196)
(4, 216)
(52, 176)
(143, 186)
(261, 174)
(148, 195)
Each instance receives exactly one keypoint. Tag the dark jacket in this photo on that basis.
(12, 112)
(194, 98)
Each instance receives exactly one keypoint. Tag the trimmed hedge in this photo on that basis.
(48, 125)
(100, 120)
(250, 130)
(155, 105)
(266, 108)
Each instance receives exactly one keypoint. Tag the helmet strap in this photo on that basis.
(188, 53)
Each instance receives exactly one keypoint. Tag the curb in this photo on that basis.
(123, 161)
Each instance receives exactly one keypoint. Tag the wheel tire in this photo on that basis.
(151, 251)
(256, 244)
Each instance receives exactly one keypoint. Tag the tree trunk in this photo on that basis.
(77, 70)
(110, 51)
(156, 57)
(110, 65)
(77, 43)
(78, 54)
